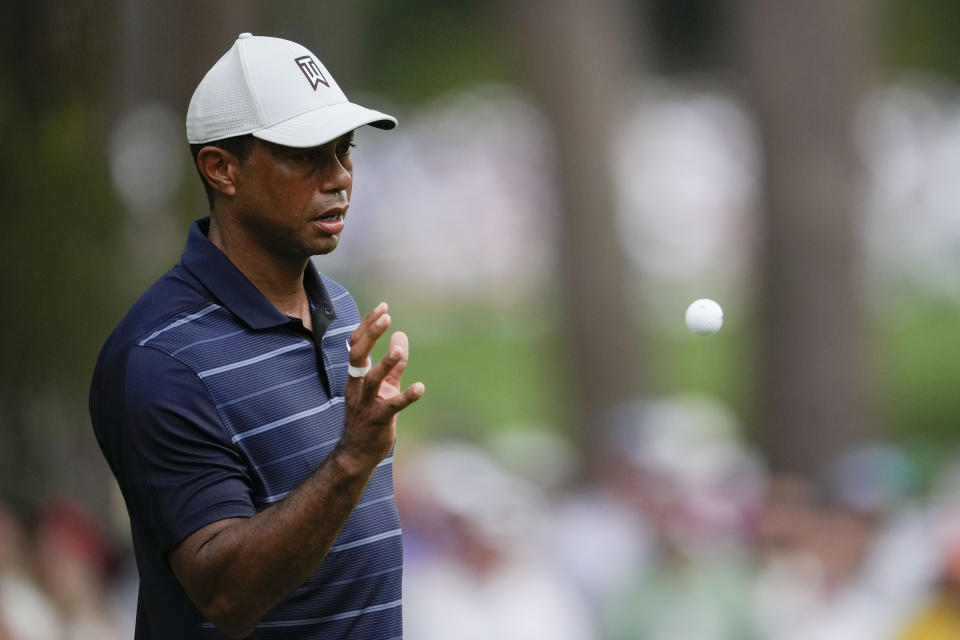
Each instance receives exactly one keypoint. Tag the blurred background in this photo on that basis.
(566, 178)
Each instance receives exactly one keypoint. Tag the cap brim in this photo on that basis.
(324, 124)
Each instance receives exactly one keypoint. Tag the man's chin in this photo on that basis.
(329, 244)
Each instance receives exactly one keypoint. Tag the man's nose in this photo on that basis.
(338, 177)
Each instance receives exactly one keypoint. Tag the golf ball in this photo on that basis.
(704, 316)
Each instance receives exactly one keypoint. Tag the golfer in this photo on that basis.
(235, 403)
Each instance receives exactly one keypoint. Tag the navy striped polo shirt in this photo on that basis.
(208, 403)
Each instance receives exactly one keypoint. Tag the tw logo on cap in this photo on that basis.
(311, 71)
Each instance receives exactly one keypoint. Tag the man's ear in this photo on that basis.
(219, 168)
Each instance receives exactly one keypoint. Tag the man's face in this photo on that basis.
(295, 200)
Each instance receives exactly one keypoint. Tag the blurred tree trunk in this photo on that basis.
(206, 30)
(56, 60)
(576, 55)
(806, 63)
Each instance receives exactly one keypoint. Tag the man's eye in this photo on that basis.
(344, 149)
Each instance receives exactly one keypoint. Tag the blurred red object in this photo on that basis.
(72, 528)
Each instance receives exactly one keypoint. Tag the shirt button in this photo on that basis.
(245, 34)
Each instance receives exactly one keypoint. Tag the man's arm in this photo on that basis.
(236, 570)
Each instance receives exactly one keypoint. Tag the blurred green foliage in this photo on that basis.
(60, 212)
(920, 35)
(421, 48)
(917, 361)
(487, 370)
(59, 238)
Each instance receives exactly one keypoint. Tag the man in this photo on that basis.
(235, 402)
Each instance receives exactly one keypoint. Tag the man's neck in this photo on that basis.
(280, 282)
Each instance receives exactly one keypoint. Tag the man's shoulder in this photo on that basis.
(169, 303)
(164, 307)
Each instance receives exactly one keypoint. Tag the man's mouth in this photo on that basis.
(330, 222)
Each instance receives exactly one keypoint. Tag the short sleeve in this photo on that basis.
(180, 471)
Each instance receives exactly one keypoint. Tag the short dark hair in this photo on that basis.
(239, 146)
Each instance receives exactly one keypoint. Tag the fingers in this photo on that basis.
(398, 341)
(367, 334)
(379, 390)
(403, 400)
(376, 375)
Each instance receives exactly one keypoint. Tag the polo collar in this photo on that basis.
(233, 290)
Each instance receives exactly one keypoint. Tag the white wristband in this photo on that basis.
(357, 372)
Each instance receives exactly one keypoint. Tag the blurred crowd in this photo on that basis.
(675, 531)
(678, 533)
(62, 577)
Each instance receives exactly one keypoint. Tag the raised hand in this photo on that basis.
(374, 400)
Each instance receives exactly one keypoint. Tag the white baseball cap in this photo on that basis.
(278, 91)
